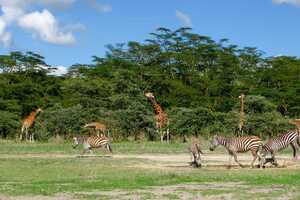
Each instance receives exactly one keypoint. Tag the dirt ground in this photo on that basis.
(209, 160)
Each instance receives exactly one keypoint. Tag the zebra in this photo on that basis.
(236, 145)
(92, 142)
(279, 143)
(195, 151)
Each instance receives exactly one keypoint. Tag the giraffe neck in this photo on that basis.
(157, 108)
(33, 115)
(30, 118)
(242, 105)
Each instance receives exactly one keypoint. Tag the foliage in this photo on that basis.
(196, 79)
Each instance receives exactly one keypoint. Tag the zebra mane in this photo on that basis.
(81, 139)
(221, 139)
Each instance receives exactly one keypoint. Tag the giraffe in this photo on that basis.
(242, 113)
(27, 123)
(296, 122)
(98, 127)
(160, 117)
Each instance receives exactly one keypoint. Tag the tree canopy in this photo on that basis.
(196, 79)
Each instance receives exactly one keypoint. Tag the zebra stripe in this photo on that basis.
(279, 143)
(92, 142)
(236, 145)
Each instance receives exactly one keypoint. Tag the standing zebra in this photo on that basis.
(238, 145)
(92, 142)
(279, 143)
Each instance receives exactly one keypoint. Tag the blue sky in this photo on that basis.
(71, 31)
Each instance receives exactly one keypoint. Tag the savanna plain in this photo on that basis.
(138, 170)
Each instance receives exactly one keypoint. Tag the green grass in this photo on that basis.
(11, 147)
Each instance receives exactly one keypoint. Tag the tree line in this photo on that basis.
(196, 79)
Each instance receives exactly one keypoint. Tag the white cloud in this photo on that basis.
(59, 71)
(45, 25)
(74, 27)
(57, 3)
(99, 6)
(293, 2)
(184, 18)
(5, 37)
(42, 24)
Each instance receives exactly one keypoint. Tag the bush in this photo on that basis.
(9, 124)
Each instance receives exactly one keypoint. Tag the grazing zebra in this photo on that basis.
(279, 143)
(238, 145)
(195, 151)
(92, 142)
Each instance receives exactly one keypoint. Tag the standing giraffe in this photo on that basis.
(296, 122)
(160, 117)
(27, 123)
(242, 113)
(98, 127)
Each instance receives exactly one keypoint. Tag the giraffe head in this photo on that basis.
(242, 96)
(149, 95)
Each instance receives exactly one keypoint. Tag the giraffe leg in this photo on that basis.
(168, 135)
(161, 135)
(21, 135)
(32, 137)
(26, 134)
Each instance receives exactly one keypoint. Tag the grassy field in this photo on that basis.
(48, 169)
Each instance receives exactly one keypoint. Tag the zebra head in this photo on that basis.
(262, 153)
(214, 143)
(75, 142)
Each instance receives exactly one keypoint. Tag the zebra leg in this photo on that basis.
(274, 159)
(91, 151)
(236, 160)
(262, 159)
(108, 148)
(294, 151)
(229, 161)
(84, 151)
(192, 158)
(254, 154)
